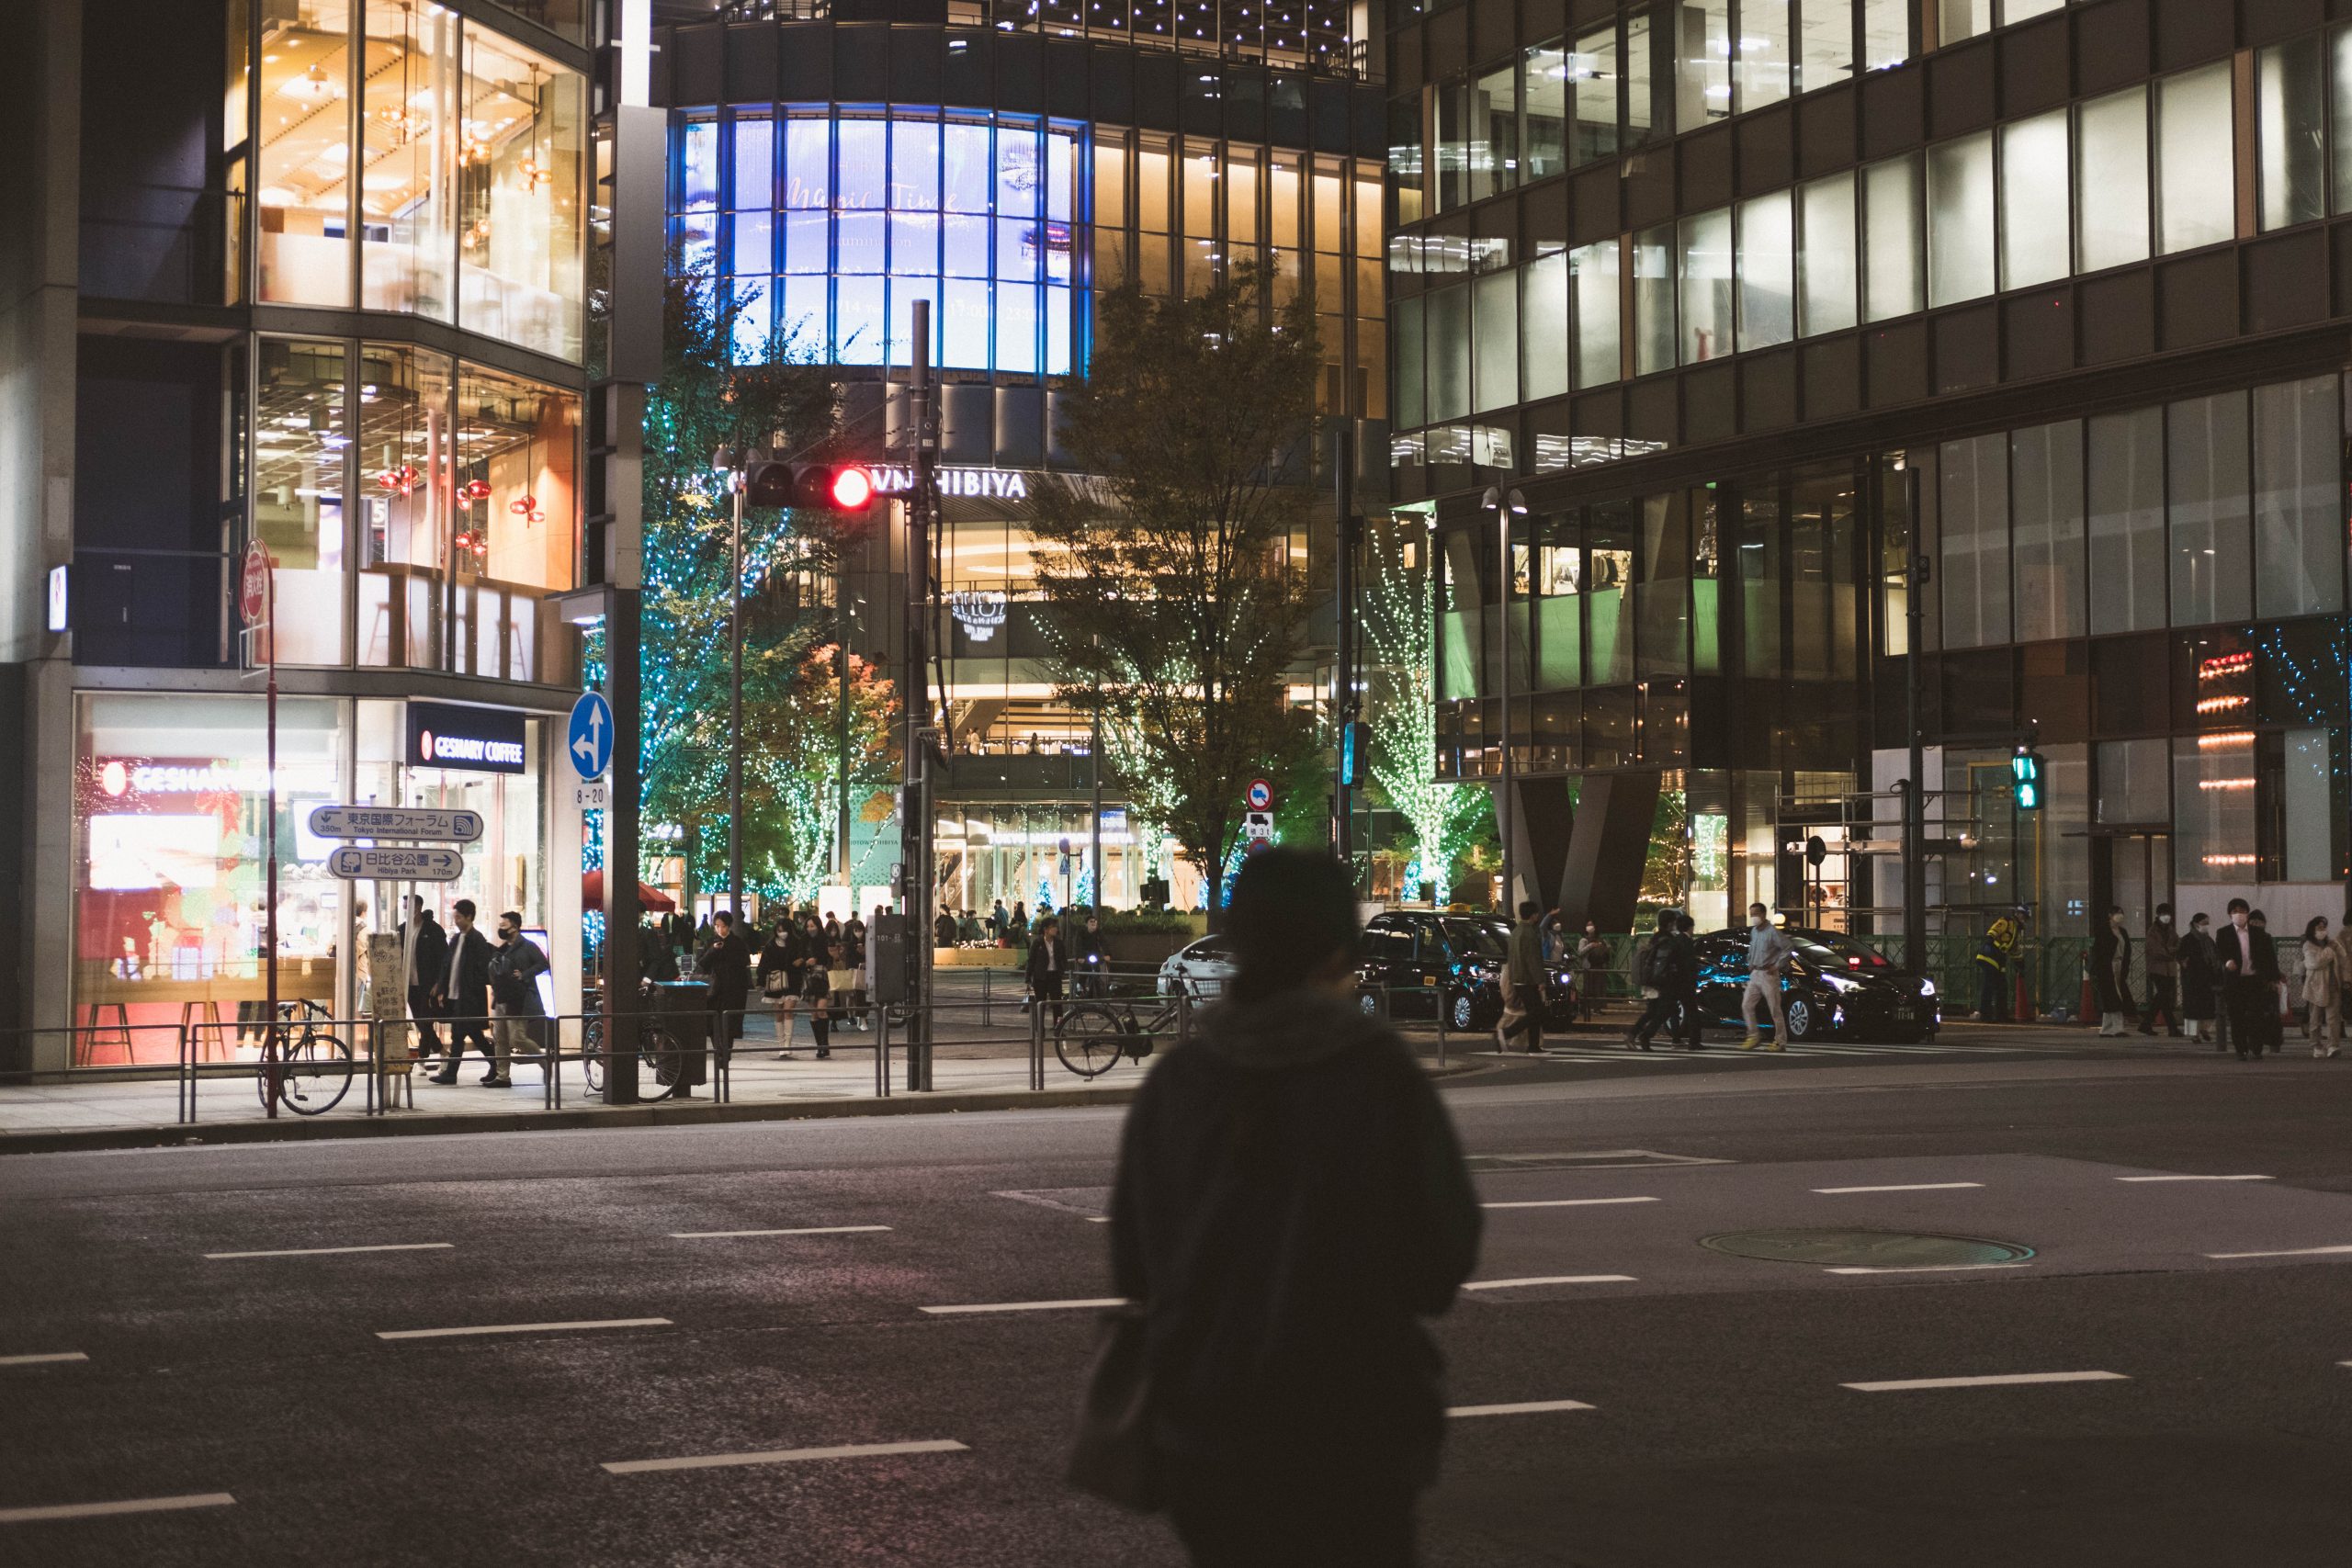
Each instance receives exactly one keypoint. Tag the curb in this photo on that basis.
(396, 1124)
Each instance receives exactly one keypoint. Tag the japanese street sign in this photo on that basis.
(591, 795)
(396, 822)
(253, 587)
(1257, 825)
(1260, 796)
(589, 742)
(395, 865)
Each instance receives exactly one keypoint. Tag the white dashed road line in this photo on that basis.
(100, 1510)
(522, 1327)
(331, 1251)
(40, 1361)
(1566, 1202)
(1025, 1306)
(782, 1456)
(2006, 1380)
(1905, 1187)
(2289, 1252)
(1532, 1407)
(2196, 1178)
(805, 1230)
(1549, 1280)
(1925, 1269)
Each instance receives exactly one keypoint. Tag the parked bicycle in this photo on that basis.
(1094, 1036)
(660, 1063)
(311, 1071)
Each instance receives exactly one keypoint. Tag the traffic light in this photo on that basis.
(1356, 753)
(2025, 776)
(846, 488)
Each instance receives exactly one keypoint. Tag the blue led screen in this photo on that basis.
(827, 224)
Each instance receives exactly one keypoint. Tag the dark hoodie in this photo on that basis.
(1291, 1202)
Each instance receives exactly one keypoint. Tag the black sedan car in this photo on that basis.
(1836, 987)
(1434, 964)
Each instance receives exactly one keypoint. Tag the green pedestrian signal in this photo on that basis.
(2025, 777)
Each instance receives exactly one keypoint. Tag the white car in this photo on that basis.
(1199, 970)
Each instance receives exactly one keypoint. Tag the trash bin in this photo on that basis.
(682, 1007)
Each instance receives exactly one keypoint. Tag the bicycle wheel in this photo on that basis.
(1089, 1039)
(591, 1053)
(660, 1063)
(316, 1074)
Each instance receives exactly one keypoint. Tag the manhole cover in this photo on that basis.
(1878, 1249)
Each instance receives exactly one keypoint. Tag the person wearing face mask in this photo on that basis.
(1768, 951)
(517, 1015)
(2111, 975)
(2323, 1013)
(2163, 954)
(1593, 969)
(2201, 977)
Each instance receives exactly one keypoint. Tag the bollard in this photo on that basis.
(1037, 1048)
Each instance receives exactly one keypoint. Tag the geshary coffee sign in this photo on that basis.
(481, 741)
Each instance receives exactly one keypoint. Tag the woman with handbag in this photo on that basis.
(779, 982)
(1291, 1202)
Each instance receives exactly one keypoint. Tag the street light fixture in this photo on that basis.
(731, 463)
(1506, 504)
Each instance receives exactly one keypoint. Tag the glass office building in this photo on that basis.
(313, 283)
(1757, 301)
(833, 164)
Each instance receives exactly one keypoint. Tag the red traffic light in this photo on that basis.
(810, 487)
(852, 489)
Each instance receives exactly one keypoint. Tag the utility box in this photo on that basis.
(684, 1008)
(888, 957)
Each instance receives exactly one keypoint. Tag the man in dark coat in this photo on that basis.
(1291, 1202)
(2243, 992)
(464, 993)
(1670, 966)
(520, 1017)
(428, 962)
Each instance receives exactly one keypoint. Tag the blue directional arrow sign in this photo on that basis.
(590, 740)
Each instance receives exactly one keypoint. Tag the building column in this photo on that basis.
(1609, 847)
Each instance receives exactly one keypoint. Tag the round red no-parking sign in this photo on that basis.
(253, 590)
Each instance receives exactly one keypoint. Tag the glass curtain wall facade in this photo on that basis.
(1010, 175)
(371, 370)
(1957, 279)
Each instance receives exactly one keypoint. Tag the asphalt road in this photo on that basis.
(301, 1410)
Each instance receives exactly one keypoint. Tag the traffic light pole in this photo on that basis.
(735, 700)
(914, 801)
(1915, 798)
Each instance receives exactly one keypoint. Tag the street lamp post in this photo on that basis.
(1506, 504)
(729, 461)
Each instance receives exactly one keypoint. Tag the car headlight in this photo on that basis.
(1927, 987)
(1841, 983)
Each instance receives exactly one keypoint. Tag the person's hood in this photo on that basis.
(1290, 1029)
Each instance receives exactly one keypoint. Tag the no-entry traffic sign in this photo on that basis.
(252, 586)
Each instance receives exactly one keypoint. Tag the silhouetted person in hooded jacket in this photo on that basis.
(1290, 1202)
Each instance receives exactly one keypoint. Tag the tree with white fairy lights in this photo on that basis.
(711, 397)
(1400, 631)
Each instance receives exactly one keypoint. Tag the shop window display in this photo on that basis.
(170, 852)
(470, 200)
(469, 482)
